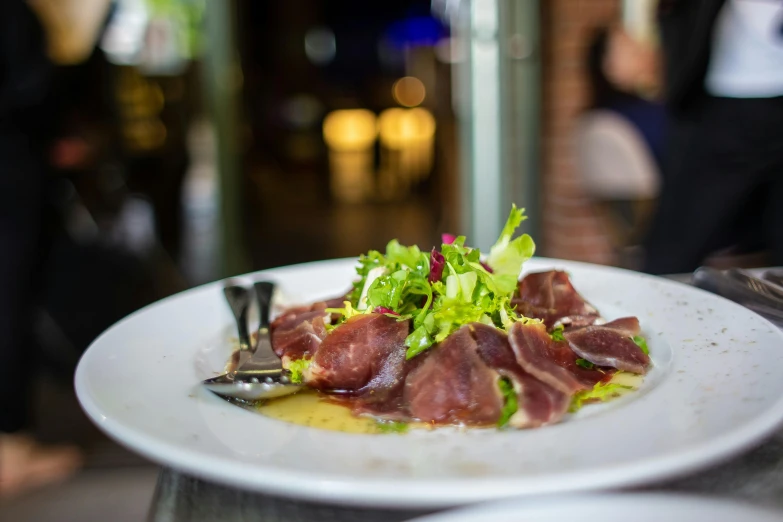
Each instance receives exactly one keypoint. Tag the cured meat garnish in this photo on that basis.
(627, 326)
(551, 361)
(538, 403)
(611, 344)
(454, 385)
(298, 333)
(551, 297)
(365, 353)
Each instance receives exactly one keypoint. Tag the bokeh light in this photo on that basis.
(409, 91)
(320, 45)
(350, 129)
(400, 128)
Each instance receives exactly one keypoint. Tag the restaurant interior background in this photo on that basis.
(205, 138)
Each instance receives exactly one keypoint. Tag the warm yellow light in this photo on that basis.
(409, 91)
(350, 130)
(402, 127)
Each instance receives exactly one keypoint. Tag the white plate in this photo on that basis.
(715, 390)
(599, 508)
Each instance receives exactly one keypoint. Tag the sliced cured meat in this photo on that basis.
(550, 361)
(610, 345)
(298, 333)
(538, 403)
(386, 403)
(366, 353)
(454, 385)
(551, 297)
(627, 326)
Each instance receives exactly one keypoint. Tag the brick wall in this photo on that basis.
(570, 227)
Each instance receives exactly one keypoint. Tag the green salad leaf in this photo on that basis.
(641, 342)
(368, 261)
(297, 369)
(466, 292)
(557, 333)
(601, 392)
(507, 255)
(391, 426)
(510, 404)
(584, 363)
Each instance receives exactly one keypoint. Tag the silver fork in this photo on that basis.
(741, 287)
(238, 298)
(262, 375)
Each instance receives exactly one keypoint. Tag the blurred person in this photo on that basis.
(723, 175)
(26, 126)
(622, 74)
(620, 136)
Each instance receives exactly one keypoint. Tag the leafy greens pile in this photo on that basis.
(443, 289)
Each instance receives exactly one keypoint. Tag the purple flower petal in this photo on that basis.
(437, 263)
(448, 238)
(384, 310)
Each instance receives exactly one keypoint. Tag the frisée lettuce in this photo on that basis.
(442, 290)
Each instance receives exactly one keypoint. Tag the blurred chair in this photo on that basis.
(620, 177)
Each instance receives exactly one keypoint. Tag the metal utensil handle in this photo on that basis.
(774, 276)
(724, 285)
(264, 362)
(264, 291)
(759, 285)
(239, 301)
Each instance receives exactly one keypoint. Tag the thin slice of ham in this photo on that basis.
(366, 353)
(454, 385)
(298, 333)
(538, 403)
(386, 402)
(551, 297)
(610, 345)
(551, 361)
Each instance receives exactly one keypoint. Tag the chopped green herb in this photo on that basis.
(584, 363)
(641, 343)
(510, 404)
(557, 333)
(297, 369)
(391, 426)
(601, 392)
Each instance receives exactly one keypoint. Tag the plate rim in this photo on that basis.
(428, 493)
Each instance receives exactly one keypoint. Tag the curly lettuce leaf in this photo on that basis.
(641, 342)
(297, 369)
(367, 262)
(507, 255)
(584, 363)
(391, 426)
(601, 392)
(557, 333)
(407, 257)
(464, 289)
(510, 404)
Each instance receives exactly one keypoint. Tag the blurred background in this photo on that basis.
(189, 140)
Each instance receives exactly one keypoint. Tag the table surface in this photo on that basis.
(755, 477)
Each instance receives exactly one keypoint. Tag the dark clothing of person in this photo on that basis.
(25, 73)
(724, 186)
(686, 28)
(723, 169)
(648, 117)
